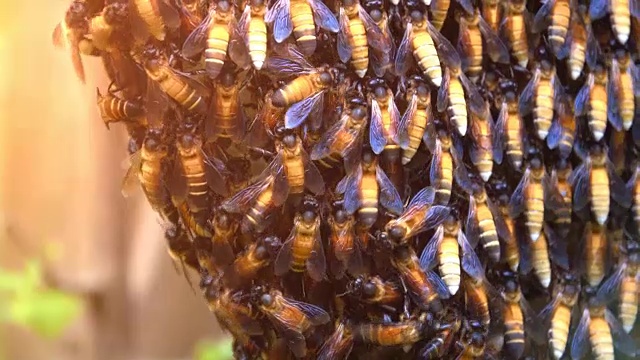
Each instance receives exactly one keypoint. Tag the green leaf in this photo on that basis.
(27, 280)
(208, 350)
(46, 312)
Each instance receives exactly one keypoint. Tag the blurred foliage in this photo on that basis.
(214, 350)
(26, 300)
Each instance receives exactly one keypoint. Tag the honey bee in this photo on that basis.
(385, 117)
(477, 293)
(304, 95)
(511, 249)
(412, 129)
(375, 290)
(421, 38)
(520, 321)
(563, 130)
(492, 11)
(509, 129)
(483, 146)
(366, 187)
(425, 287)
(557, 315)
(580, 45)
(303, 248)
(258, 201)
(269, 117)
(596, 182)
(301, 17)
(592, 101)
(226, 118)
(339, 344)
(218, 36)
(443, 249)
(406, 332)
(253, 30)
(620, 12)
(153, 17)
(439, 10)
(473, 28)
(256, 257)
(541, 96)
(344, 243)
(110, 22)
(191, 222)
(554, 16)
(358, 31)
(291, 318)
(179, 248)
(115, 109)
(474, 341)
(622, 84)
(438, 346)
(623, 284)
(633, 188)
(446, 158)
(514, 28)
(595, 253)
(378, 13)
(602, 329)
(559, 181)
(451, 97)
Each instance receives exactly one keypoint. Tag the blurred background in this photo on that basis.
(84, 273)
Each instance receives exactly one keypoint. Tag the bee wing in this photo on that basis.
(498, 138)
(405, 123)
(355, 264)
(498, 51)
(580, 342)
(197, 40)
(516, 203)
(532, 323)
(547, 312)
(618, 187)
(634, 7)
(299, 111)
(403, 60)
(526, 262)
(291, 333)
(557, 248)
(130, 181)
(317, 263)
(214, 169)
(501, 226)
(350, 189)
(344, 48)
(463, 46)
(337, 346)
(613, 88)
(375, 37)
(389, 197)
(435, 171)
(324, 146)
(552, 197)
(443, 92)
(436, 215)
(316, 315)
(312, 177)
(377, 133)
(470, 262)
(623, 341)
(429, 258)
(394, 115)
(438, 284)
(466, 5)
(324, 17)
(243, 23)
(555, 131)
(593, 48)
(542, 19)
(609, 290)
(525, 103)
(425, 196)
(471, 226)
(238, 48)
(279, 15)
(598, 9)
(283, 259)
(477, 104)
(579, 180)
(446, 51)
(241, 201)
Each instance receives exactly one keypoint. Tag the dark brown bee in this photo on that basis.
(153, 17)
(339, 344)
(256, 257)
(375, 290)
(291, 318)
(438, 346)
(114, 109)
(179, 248)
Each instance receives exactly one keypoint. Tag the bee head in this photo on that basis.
(272, 244)
(257, 3)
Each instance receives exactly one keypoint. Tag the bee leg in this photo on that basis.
(261, 152)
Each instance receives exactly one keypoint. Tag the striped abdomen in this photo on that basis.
(191, 222)
(457, 106)
(595, 250)
(620, 17)
(216, 51)
(473, 37)
(449, 256)
(598, 110)
(304, 28)
(256, 214)
(294, 169)
(445, 183)
(297, 90)
(600, 194)
(514, 138)
(577, 51)
(543, 109)
(247, 266)
(225, 112)
(482, 155)
(193, 167)
(149, 176)
(514, 330)
(359, 46)
(629, 292)
(491, 13)
(257, 35)
(389, 334)
(115, 109)
(540, 260)
(518, 38)
(512, 252)
(151, 18)
(439, 13)
(559, 331)
(489, 235)
(425, 53)
(563, 213)
(601, 339)
(626, 99)
(477, 302)
(560, 15)
(179, 90)
(534, 204)
(416, 131)
(302, 246)
(368, 212)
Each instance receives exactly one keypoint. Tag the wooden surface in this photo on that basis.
(60, 176)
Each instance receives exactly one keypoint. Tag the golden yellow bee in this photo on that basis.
(301, 17)
(492, 11)
(218, 36)
(595, 242)
(401, 333)
(446, 157)
(514, 28)
(451, 97)
(477, 294)
(194, 224)
(385, 117)
(483, 144)
(381, 19)
(421, 38)
(580, 45)
(115, 109)
(293, 164)
(358, 31)
(153, 17)
(248, 264)
(226, 117)
(623, 82)
(344, 244)
(541, 96)
(253, 30)
(509, 129)
(592, 100)
(511, 246)
(557, 315)
(412, 129)
(559, 181)
(554, 16)
(620, 12)
(563, 130)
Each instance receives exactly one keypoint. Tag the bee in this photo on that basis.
(256, 257)
(420, 215)
(514, 27)
(366, 187)
(304, 94)
(520, 321)
(624, 284)
(439, 10)
(406, 332)
(596, 182)
(619, 15)
(473, 340)
(412, 129)
(509, 129)
(541, 96)
(258, 201)
(533, 194)
(622, 84)
(580, 45)
(473, 28)
(477, 293)
(226, 118)
(358, 31)
(115, 109)
(291, 318)
(218, 36)
(110, 22)
(378, 13)
(492, 11)
(153, 17)
(385, 117)
(179, 247)
(301, 17)
(191, 222)
(224, 230)
(511, 249)
(253, 30)
(556, 316)
(421, 38)
(345, 136)
(592, 101)
(425, 287)
(560, 182)
(446, 157)
(563, 130)
(438, 346)
(602, 329)
(339, 344)
(483, 146)
(344, 243)
(554, 16)
(443, 249)
(303, 248)
(268, 117)
(375, 290)
(633, 188)
(595, 251)
(451, 97)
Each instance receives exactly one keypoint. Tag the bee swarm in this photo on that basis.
(412, 179)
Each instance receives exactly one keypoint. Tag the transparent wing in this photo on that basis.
(405, 122)
(324, 17)
(197, 40)
(580, 342)
(525, 104)
(429, 256)
(344, 48)
(403, 59)
(498, 51)
(317, 263)
(389, 197)
(470, 262)
(516, 203)
(377, 133)
(280, 16)
(623, 341)
(299, 111)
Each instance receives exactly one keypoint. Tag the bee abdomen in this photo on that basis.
(295, 91)
(257, 42)
(450, 264)
(559, 24)
(601, 340)
(514, 142)
(518, 37)
(153, 21)
(543, 111)
(540, 260)
(425, 52)
(457, 106)
(359, 46)
(304, 28)
(475, 54)
(600, 195)
(535, 210)
(598, 112)
(216, 51)
(627, 101)
(415, 136)
(559, 332)
(628, 302)
(301, 252)
(621, 19)
(514, 333)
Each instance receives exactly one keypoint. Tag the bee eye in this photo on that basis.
(266, 299)
(326, 78)
(369, 289)
(358, 113)
(376, 15)
(416, 16)
(380, 92)
(397, 233)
